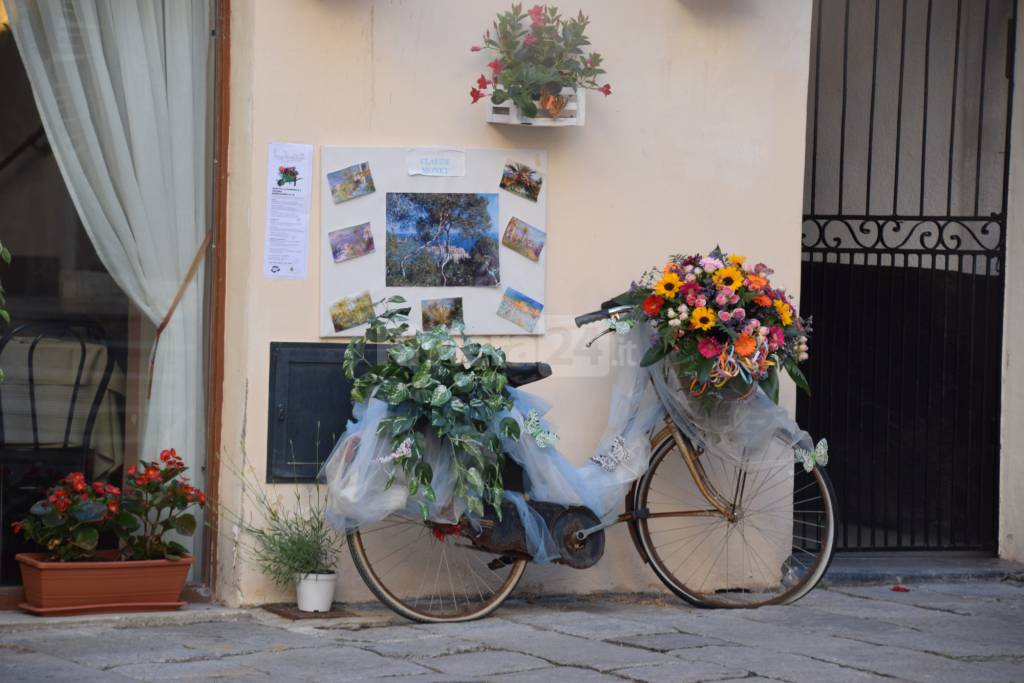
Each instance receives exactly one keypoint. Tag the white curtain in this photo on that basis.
(122, 89)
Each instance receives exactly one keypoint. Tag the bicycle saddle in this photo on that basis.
(523, 373)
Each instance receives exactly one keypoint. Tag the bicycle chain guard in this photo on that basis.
(507, 536)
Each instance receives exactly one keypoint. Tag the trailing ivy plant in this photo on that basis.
(450, 386)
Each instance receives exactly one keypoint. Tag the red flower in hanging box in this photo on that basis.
(482, 82)
(476, 95)
(541, 68)
(605, 89)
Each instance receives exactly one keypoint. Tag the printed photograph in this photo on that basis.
(522, 180)
(519, 309)
(442, 239)
(348, 243)
(351, 311)
(349, 183)
(523, 238)
(441, 312)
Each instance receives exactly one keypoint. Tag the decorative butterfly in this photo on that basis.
(818, 456)
(534, 428)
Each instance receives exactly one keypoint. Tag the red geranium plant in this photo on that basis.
(534, 62)
(155, 501)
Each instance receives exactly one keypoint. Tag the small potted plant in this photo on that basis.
(146, 573)
(294, 545)
(540, 71)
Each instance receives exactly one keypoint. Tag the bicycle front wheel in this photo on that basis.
(772, 547)
(430, 574)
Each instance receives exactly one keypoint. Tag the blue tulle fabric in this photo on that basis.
(755, 433)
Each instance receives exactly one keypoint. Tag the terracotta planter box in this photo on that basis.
(58, 588)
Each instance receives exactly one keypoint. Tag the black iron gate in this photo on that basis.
(904, 237)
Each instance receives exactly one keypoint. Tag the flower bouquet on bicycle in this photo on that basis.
(448, 482)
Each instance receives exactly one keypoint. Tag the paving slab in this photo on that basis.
(938, 632)
(474, 665)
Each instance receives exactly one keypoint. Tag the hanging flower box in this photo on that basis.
(541, 71)
(569, 108)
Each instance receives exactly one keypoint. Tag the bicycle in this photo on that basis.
(739, 516)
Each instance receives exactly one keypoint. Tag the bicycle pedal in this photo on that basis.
(499, 562)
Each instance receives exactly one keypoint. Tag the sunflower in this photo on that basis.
(702, 318)
(785, 312)
(736, 259)
(728, 277)
(668, 286)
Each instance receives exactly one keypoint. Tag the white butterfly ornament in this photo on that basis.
(818, 456)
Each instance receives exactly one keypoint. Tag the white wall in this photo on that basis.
(702, 143)
(1011, 476)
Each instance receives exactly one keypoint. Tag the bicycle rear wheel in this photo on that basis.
(431, 574)
(774, 550)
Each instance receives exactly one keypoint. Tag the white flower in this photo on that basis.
(671, 313)
(675, 322)
(684, 311)
(803, 356)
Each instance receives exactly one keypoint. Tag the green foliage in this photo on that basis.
(292, 540)
(543, 57)
(452, 389)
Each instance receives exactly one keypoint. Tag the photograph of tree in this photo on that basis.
(522, 180)
(442, 239)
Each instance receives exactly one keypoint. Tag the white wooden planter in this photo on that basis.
(574, 113)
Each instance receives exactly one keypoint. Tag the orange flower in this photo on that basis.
(745, 345)
(763, 300)
(756, 282)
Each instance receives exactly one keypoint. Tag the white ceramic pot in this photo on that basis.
(315, 592)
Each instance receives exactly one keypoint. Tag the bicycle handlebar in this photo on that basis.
(588, 318)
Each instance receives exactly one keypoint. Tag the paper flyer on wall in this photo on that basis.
(289, 195)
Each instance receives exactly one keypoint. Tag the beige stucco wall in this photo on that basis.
(1011, 471)
(702, 143)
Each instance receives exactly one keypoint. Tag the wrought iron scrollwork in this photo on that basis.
(974, 235)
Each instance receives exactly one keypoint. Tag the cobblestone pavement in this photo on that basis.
(936, 632)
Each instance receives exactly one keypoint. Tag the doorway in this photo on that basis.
(904, 239)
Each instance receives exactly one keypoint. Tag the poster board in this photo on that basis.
(350, 266)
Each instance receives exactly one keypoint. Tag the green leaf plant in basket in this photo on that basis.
(447, 386)
(534, 62)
